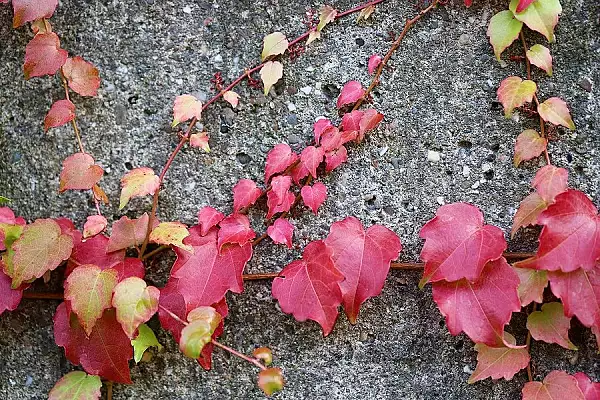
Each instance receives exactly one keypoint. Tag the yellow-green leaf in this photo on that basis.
(270, 73)
(137, 183)
(270, 380)
(540, 56)
(76, 385)
(202, 324)
(274, 44)
(326, 15)
(135, 303)
(555, 111)
(540, 16)
(514, 92)
(312, 36)
(145, 339)
(171, 233)
(503, 29)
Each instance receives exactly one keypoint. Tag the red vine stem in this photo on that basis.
(185, 137)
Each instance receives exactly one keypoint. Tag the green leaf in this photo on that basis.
(76, 385)
(514, 92)
(540, 56)
(145, 339)
(4, 200)
(171, 233)
(540, 16)
(135, 302)
(136, 183)
(202, 324)
(551, 325)
(503, 30)
(274, 44)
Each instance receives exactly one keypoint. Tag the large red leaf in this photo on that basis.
(309, 288)
(557, 385)
(363, 258)
(43, 55)
(480, 309)
(570, 238)
(106, 352)
(580, 294)
(458, 244)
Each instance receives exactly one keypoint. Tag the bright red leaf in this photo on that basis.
(319, 127)
(79, 172)
(331, 139)
(299, 172)
(373, 63)
(309, 288)
(235, 229)
(557, 385)
(350, 94)
(312, 157)
(580, 294)
(313, 196)
(82, 76)
(9, 297)
(281, 232)
(43, 55)
(278, 160)
(335, 158)
(276, 206)
(30, 10)
(523, 4)
(590, 390)
(364, 258)
(351, 120)
(129, 232)
(61, 112)
(245, 194)
(207, 218)
(280, 186)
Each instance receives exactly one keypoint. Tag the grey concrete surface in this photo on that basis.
(439, 96)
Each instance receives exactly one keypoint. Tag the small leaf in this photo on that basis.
(278, 205)
(9, 297)
(79, 172)
(138, 182)
(40, 25)
(320, 126)
(30, 10)
(270, 381)
(82, 76)
(313, 196)
(555, 111)
(557, 385)
(365, 13)
(171, 233)
(185, 108)
(274, 44)
(135, 303)
(278, 160)
(200, 140)
(540, 56)
(61, 112)
(503, 29)
(327, 14)
(76, 385)
(532, 285)
(529, 146)
(245, 194)
(264, 354)
(128, 232)
(579, 292)
(280, 187)
(369, 121)
(540, 16)
(312, 157)
(312, 36)
(94, 224)
(350, 94)
(499, 362)
(351, 120)
(373, 63)
(270, 73)
(281, 232)
(144, 339)
(232, 98)
(207, 218)
(550, 325)
(514, 92)
(43, 55)
(235, 229)
(202, 324)
(100, 195)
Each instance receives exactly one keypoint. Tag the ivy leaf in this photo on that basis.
(232, 98)
(335, 158)
(171, 233)
(503, 29)
(270, 380)
(458, 244)
(79, 172)
(106, 352)
(298, 172)
(373, 63)
(312, 36)
(570, 236)
(200, 140)
(277, 205)
(351, 120)
(280, 187)
(185, 108)
(312, 157)
(43, 55)
(555, 111)
(40, 25)
(331, 139)
(313, 196)
(281, 232)
(76, 385)
(480, 309)
(350, 94)
(270, 73)
(279, 159)
(514, 92)
(320, 126)
(274, 44)
(363, 258)
(580, 294)
(532, 285)
(540, 16)
(327, 14)
(235, 229)
(88, 292)
(208, 217)
(591, 390)
(529, 146)
(309, 288)
(94, 225)
(203, 321)
(556, 385)
(61, 112)
(368, 122)
(135, 303)
(499, 362)
(128, 232)
(523, 4)
(82, 76)
(41, 247)
(9, 297)
(100, 195)
(550, 325)
(540, 56)
(138, 182)
(245, 194)
(30, 10)
(144, 340)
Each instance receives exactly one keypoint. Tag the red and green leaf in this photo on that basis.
(551, 325)
(499, 362)
(138, 182)
(557, 385)
(135, 303)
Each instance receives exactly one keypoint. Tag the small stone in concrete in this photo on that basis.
(433, 156)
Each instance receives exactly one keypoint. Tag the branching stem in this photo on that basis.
(236, 353)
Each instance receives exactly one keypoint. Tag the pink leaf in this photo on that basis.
(30, 10)
(43, 55)
(351, 93)
(186, 107)
(129, 232)
(523, 4)
(319, 127)
(299, 172)
(232, 98)
(557, 385)
(280, 186)
(61, 112)
(276, 205)
(278, 160)
(82, 76)
(331, 139)
(9, 298)
(79, 172)
(529, 146)
(591, 390)
(235, 229)
(313, 196)
(499, 362)
(207, 218)
(374, 62)
(335, 158)
(200, 140)
(94, 224)
(368, 122)
(281, 232)
(580, 294)
(351, 120)
(245, 194)
(555, 111)
(312, 157)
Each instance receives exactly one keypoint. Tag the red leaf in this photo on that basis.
(351, 93)
(591, 390)
(82, 76)
(557, 385)
(245, 193)
(9, 298)
(363, 258)
(278, 160)
(335, 158)
(468, 3)
(368, 122)
(570, 237)
(30, 10)
(532, 285)
(281, 232)
(312, 157)
(313, 196)
(129, 267)
(94, 251)
(94, 224)
(275, 206)
(43, 55)
(480, 309)
(374, 62)
(209, 217)
(351, 120)
(309, 288)
(580, 294)
(319, 127)
(129, 232)
(79, 172)
(331, 139)
(106, 352)
(523, 4)
(299, 172)
(280, 186)
(235, 229)
(458, 244)
(205, 276)
(61, 112)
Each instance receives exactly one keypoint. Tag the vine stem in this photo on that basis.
(233, 84)
(535, 98)
(528, 346)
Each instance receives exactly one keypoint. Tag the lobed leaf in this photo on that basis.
(82, 76)
(557, 385)
(245, 194)
(580, 294)
(327, 14)
(350, 94)
(186, 107)
(503, 29)
(335, 158)
(79, 172)
(313, 196)
(590, 390)
(203, 321)
(30, 10)
(281, 232)
(540, 56)
(43, 55)
(312, 157)
(171, 234)
(540, 15)
(235, 229)
(144, 340)
(135, 303)
(555, 111)
(138, 182)
(514, 92)
(499, 362)
(529, 146)
(76, 385)
(273, 44)
(208, 217)
(61, 112)
(270, 73)
(276, 205)
(550, 325)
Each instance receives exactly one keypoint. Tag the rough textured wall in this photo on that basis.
(440, 96)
